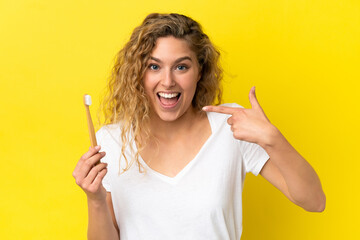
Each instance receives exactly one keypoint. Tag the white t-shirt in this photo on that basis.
(203, 201)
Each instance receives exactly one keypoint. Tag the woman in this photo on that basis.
(175, 165)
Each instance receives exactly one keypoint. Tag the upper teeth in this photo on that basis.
(168, 95)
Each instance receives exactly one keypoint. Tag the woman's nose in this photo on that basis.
(168, 79)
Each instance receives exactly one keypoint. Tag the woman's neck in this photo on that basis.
(169, 130)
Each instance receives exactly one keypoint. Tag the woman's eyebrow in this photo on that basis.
(155, 59)
(182, 59)
(176, 61)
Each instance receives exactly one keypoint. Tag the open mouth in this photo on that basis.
(168, 100)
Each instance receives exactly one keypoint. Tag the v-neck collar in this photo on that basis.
(187, 168)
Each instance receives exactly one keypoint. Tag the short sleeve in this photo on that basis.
(254, 157)
(101, 141)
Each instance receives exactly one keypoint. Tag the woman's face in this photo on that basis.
(171, 77)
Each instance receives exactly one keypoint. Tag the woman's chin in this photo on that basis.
(168, 117)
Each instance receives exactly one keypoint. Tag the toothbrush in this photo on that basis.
(87, 103)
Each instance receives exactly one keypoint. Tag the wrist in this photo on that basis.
(271, 137)
(96, 203)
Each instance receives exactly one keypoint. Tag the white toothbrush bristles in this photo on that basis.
(87, 103)
(87, 100)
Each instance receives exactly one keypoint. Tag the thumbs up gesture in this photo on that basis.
(250, 125)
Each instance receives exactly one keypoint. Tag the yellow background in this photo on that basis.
(303, 57)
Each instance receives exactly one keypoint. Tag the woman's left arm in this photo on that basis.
(292, 174)
(286, 169)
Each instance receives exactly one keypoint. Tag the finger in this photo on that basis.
(230, 120)
(91, 152)
(253, 100)
(93, 173)
(99, 177)
(85, 156)
(89, 164)
(94, 159)
(220, 109)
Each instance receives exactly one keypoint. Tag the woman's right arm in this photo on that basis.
(88, 175)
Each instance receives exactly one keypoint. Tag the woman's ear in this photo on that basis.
(200, 71)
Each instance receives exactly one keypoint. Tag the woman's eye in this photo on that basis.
(153, 67)
(181, 67)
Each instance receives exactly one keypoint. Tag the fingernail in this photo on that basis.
(205, 108)
(97, 148)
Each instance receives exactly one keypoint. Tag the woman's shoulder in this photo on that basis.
(110, 133)
(218, 120)
(222, 116)
(231, 105)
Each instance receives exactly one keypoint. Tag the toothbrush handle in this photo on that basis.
(90, 127)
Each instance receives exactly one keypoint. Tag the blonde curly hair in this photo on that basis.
(126, 102)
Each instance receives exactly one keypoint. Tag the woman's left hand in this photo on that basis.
(286, 169)
(250, 125)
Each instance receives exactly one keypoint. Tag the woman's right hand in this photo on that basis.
(89, 173)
